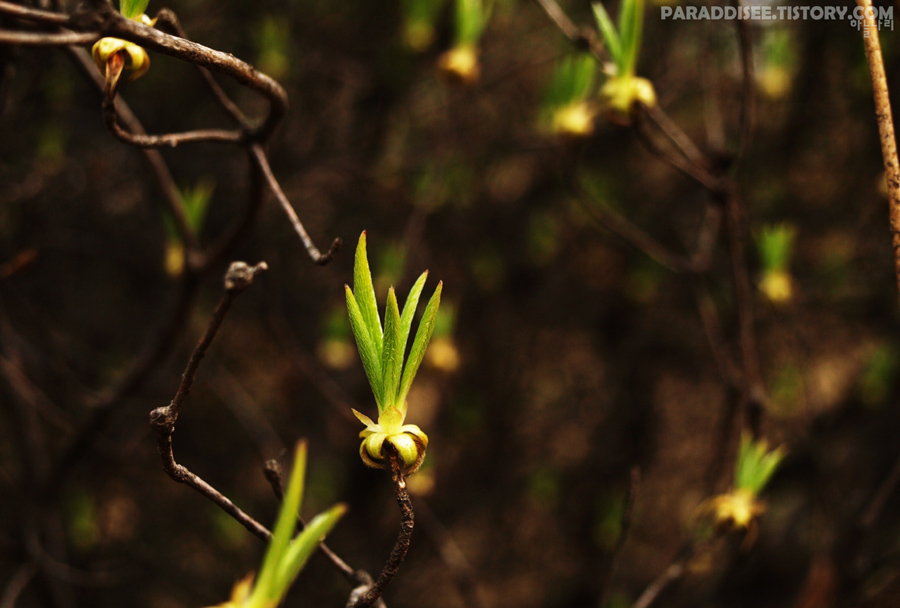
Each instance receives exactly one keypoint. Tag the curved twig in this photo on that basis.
(238, 278)
(33, 14)
(363, 597)
(108, 22)
(259, 155)
(47, 38)
(170, 140)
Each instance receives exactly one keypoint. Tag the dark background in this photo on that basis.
(578, 356)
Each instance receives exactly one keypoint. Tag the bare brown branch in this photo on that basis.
(259, 155)
(368, 595)
(238, 278)
(47, 38)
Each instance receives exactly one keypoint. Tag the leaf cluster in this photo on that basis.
(755, 464)
(383, 348)
(572, 81)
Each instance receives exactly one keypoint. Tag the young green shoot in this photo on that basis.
(567, 101)
(775, 248)
(741, 507)
(286, 554)
(382, 349)
(461, 62)
(623, 89)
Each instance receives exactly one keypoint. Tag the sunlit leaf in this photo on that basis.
(368, 350)
(420, 343)
(409, 308)
(308, 541)
(609, 33)
(284, 527)
(364, 291)
(133, 9)
(392, 352)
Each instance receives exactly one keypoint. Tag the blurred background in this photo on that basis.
(564, 357)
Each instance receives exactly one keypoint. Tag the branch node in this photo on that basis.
(240, 275)
(322, 260)
(162, 420)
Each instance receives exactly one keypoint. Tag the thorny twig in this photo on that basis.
(238, 278)
(364, 596)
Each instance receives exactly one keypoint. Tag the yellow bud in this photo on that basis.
(574, 120)
(408, 439)
(777, 285)
(460, 64)
(620, 93)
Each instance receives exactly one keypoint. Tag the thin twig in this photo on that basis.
(885, 125)
(33, 14)
(754, 394)
(670, 575)
(259, 155)
(696, 172)
(168, 18)
(47, 38)
(238, 278)
(625, 229)
(104, 20)
(363, 597)
(609, 569)
(168, 140)
(679, 138)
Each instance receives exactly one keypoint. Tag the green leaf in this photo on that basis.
(392, 353)
(608, 31)
(368, 350)
(303, 546)
(133, 9)
(755, 465)
(284, 528)
(364, 291)
(409, 309)
(420, 343)
(571, 81)
(471, 19)
(196, 201)
(631, 20)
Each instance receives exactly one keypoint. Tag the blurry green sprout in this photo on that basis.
(777, 58)
(274, 38)
(287, 554)
(623, 89)
(382, 351)
(195, 202)
(775, 247)
(755, 464)
(461, 61)
(878, 375)
(570, 111)
(133, 9)
(740, 508)
(419, 18)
